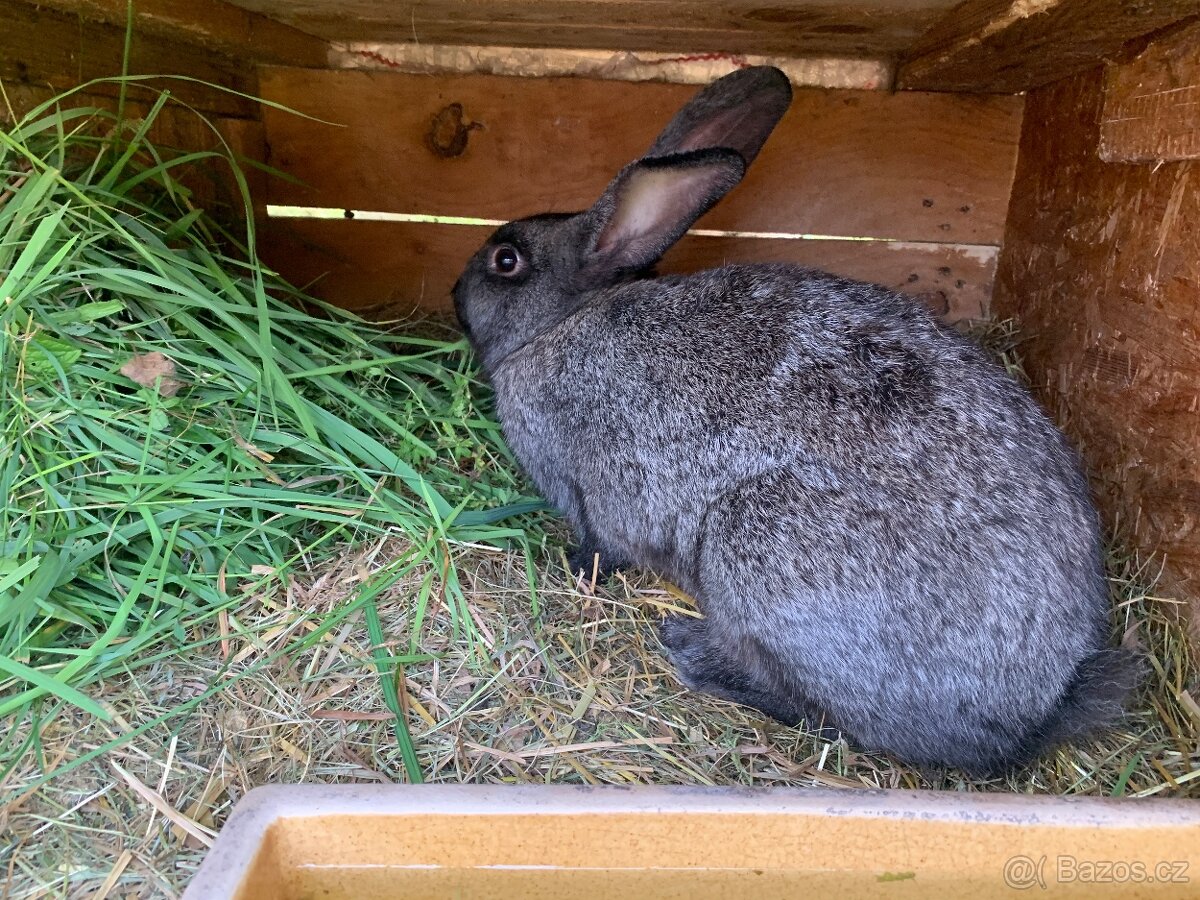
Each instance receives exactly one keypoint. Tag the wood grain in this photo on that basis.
(867, 28)
(213, 24)
(1005, 46)
(917, 167)
(1101, 265)
(387, 270)
(1152, 104)
(48, 48)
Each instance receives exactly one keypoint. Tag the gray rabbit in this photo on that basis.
(883, 531)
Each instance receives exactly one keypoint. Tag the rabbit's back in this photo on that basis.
(698, 383)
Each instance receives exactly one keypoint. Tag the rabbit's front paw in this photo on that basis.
(589, 559)
(581, 559)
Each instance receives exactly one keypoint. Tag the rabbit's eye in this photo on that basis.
(506, 260)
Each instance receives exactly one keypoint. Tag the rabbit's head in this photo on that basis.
(534, 272)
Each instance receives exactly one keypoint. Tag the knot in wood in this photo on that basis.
(448, 130)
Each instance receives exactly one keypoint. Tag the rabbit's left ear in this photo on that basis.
(737, 111)
(649, 206)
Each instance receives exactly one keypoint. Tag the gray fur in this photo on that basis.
(884, 532)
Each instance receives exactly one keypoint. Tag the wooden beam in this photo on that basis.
(213, 24)
(855, 28)
(1008, 46)
(1152, 104)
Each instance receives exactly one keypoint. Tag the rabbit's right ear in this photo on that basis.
(648, 207)
(738, 111)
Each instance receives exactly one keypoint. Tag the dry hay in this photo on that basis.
(582, 694)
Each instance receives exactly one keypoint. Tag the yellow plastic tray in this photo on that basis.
(363, 842)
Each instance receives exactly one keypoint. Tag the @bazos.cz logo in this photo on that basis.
(1025, 872)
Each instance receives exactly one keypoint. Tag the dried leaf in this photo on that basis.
(293, 751)
(1185, 698)
(153, 370)
(258, 454)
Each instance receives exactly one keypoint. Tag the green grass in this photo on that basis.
(133, 516)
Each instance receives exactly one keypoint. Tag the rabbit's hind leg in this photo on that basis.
(705, 665)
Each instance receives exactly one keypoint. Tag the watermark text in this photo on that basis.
(1025, 873)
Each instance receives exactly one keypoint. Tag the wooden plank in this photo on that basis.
(207, 23)
(867, 28)
(47, 48)
(849, 163)
(385, 269)
(1101, 265)
(1006, 46)
(1152, 104)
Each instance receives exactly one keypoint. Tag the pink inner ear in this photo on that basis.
(718, 132)
(642, 207)
(654, 203)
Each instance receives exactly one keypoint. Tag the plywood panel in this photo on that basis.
(1101, 265)
(1152, 104)
(851, 163)
(1004, 46)
(384, 269)
(868, 28)
(46, 48)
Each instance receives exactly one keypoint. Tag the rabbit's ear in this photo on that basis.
(649, 206)
(737, 111)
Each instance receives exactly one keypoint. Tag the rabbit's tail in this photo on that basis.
(1095, 699)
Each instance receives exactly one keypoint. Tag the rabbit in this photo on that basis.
(884, 533)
